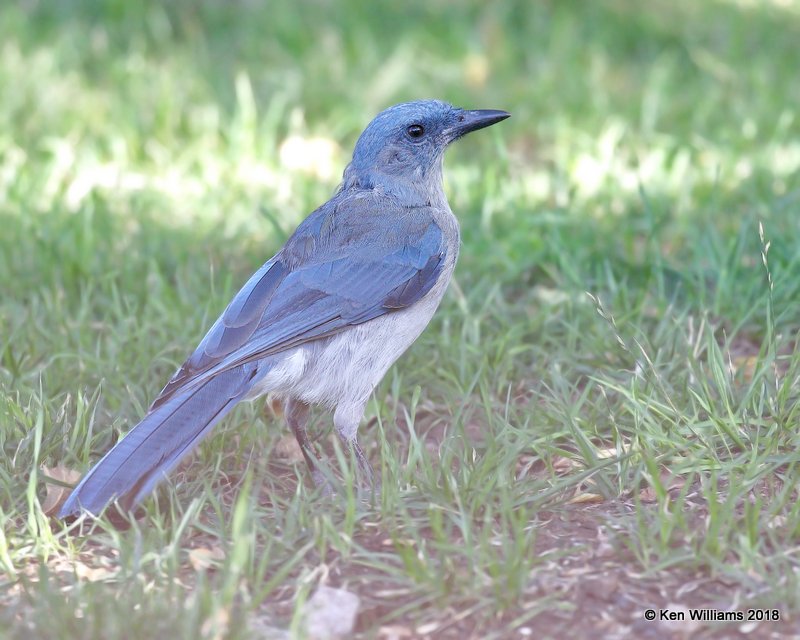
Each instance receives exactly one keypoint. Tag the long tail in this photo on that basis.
(157, 444)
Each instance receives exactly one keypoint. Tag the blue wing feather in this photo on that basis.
(341, 267)
(250, 302)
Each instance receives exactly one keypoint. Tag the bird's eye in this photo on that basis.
(416, 131)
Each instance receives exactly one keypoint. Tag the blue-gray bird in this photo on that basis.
(322, 321)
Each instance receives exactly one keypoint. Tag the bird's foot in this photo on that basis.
(367, 486)
(322, 482)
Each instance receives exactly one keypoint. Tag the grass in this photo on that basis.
(603, 415)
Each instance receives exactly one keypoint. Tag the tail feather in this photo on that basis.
(130, 471)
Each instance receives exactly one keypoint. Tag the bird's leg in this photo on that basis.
(346, 422)
(297, 414)
(364, 467)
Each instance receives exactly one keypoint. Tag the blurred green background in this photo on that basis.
(152, 155)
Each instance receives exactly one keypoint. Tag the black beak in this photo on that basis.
(467, 121)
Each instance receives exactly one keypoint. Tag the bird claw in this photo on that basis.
(367, 487)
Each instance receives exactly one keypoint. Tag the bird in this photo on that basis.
(321, 322)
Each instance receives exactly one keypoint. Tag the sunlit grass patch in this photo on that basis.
(603, 413)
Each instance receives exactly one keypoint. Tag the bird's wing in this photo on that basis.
(326, 278)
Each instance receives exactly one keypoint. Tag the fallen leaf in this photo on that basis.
(395, 632)
(648, 494)
(202, 558)
(56, 493)
(288, 449)
(216, 625)
(563, 465)
(671, 483)
(586, 498)
(92, 574)
(428, 627)
(608, 453)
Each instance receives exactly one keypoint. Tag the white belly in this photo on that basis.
(349, 365)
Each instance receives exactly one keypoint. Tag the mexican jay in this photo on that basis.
(322, 321)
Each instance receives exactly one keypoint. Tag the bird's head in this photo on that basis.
(406, 143)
